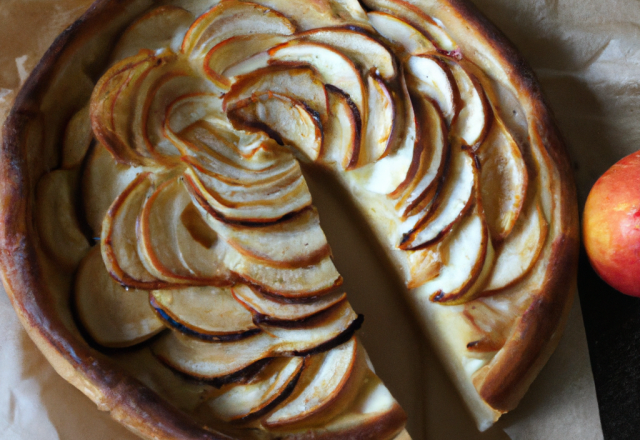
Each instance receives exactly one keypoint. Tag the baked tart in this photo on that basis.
(161, 247)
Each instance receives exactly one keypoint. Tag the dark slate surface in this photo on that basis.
(612, 323)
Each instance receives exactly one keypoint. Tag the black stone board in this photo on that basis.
(612, 324)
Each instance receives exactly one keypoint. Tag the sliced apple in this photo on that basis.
(180, 249)
(298, 82)
(172, 95)
(405, 38)
(292, 243)
(119, 238)
(503, 180)
(154, 30)
(468, 263)
(475, 115)
(269, 386)
(287, 120)
(519, 252)
(361, 400)
(394, 172)
(337, 321)
(259, 60)
(161, 100)
(264, 208)
(270, 306)
(323, 377)
(164, 238)
(208, 313)
(415, 130)
(369, 398)
(433, 78)
(154, 94)
(156, 229)
(334, 68)
(424, 265)
(77, 139)
(319, 13)
(188, 110)
(236, 175)
(196, 225)
(233, 50)
(342, 134)
(210, 360)
(199, 246)
(451, 203)
(418, 19)
(367, 53)
(112, 315)
(236, 184)
(56, 219)
(303, 282)
(261, 151)
(103, 101)
(117, 92)
(382, 130)
(231, 18)
(215, 149)
(493, 320)
(103, 180)
(352, 13)
(432, 161)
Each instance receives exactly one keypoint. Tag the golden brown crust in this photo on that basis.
(142, 410)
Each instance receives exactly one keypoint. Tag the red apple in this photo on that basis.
(611, 225)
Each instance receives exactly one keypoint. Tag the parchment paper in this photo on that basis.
(587, 56)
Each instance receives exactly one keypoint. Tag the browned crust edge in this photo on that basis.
(540, 328)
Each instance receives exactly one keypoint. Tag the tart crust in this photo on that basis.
(501, 384)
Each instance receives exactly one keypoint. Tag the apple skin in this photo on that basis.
(611, 225)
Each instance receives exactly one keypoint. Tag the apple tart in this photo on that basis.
(153, 176)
